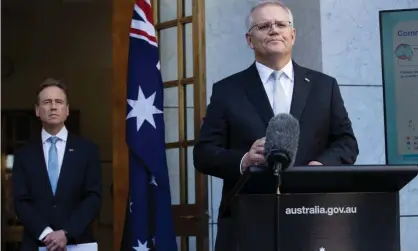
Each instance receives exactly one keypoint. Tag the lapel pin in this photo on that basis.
(307, 80)
(71, 150)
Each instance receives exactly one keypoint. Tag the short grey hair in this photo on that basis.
(249, 21)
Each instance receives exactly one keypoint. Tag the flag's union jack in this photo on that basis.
(142, 25)
(150, 216)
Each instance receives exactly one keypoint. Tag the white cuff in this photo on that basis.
(46, 231)
(240, 165)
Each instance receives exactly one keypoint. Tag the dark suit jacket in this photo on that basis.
(238, 115)
(78, 195)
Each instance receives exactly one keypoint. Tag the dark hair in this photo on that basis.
(51, 82)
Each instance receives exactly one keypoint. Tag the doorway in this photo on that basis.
(70, 41)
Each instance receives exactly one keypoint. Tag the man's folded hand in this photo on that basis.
(56, 241)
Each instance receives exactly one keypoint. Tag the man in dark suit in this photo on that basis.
(56, 179)
(232, 134)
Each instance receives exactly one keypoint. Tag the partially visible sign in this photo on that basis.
(317, 222)
(399, 49)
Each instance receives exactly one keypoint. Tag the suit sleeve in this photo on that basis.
(342, 146)
(211, 153)
(89, 208)
(33, 221)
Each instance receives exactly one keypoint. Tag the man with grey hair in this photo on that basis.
(232, 134)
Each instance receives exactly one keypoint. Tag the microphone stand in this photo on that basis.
(279, 161)
(239, 185)
(229, 200)
(277, 169)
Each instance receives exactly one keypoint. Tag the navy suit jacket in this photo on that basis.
(78, 195)
(238, 115)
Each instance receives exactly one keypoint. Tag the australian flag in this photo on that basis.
(149, 216)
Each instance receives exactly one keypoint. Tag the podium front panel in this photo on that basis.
(319, 222)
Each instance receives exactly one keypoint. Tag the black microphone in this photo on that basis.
(282, 140)
(282, 136)
(280, 147)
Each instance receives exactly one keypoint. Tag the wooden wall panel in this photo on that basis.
(121, 17)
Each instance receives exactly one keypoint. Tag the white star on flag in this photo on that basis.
(141, 247)
(322, 249)
(153, 181)
(143, 109)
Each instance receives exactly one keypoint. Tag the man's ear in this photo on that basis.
(294, 35)
(249, 38)
(68, 109)
(37, 110)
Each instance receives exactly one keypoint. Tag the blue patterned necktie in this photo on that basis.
(53, 163)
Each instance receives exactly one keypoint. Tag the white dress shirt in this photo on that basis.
(61, 144)
(287, 82)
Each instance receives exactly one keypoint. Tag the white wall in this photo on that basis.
(351, 53)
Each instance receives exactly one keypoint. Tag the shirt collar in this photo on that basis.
(62, 135)
(265, 72)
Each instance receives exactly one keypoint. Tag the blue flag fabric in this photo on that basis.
(151, 219)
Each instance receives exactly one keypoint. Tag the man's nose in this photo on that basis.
(274, 30)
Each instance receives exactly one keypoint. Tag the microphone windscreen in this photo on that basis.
(282, 136)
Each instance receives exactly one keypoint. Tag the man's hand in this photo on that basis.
(56, 241)
(255, 155)
(315, 163)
